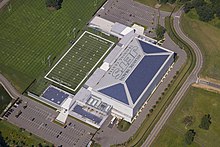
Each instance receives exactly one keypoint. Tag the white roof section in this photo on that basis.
(62, 116)
(83, 95)
(119, 48)
(116, 29)
(101, 23)
(96, 76)
(126, 31)
(113, 55)
(138, 29)
(105, 66)
(67, 103)
(121, 29)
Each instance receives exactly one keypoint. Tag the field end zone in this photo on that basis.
(102, 42)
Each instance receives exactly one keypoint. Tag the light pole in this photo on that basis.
(48, 58)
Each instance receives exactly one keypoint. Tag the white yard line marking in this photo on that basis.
(112, 43)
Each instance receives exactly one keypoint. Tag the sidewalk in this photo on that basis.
(3, 3)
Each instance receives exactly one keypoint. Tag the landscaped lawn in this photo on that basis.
(4, 99)
(123, 125)
(31, 35)
(196, 103)
(207, 37)
(14, 136)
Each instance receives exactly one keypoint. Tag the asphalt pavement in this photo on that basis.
(38, 119)
(209, 83)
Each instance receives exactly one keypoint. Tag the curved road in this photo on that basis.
(191, 79)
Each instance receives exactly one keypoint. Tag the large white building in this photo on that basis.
(124, 82)
(129, 76)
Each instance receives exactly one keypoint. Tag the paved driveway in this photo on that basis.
(128, 12)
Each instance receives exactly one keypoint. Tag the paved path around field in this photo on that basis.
(208, 85)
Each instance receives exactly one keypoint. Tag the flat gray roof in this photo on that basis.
(95, 77)
(118, 27)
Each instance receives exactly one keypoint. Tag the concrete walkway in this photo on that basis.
(3, 3)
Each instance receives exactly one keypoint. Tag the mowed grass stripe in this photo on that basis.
(79, 60)
(31, 27)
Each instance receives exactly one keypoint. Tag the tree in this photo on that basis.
(171, 1)
(218, 12)
(54, 3)
(205, 13)
(187, 7)
(2, 141)
(205, 122)
(198, 3)
(160, 30)
(189, 136)
(184, 1)
(163, 1)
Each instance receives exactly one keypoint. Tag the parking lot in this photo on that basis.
(128, 12)
(38, 119)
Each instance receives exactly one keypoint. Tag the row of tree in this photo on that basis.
(206, 10)
(166, 1)
(190, 134)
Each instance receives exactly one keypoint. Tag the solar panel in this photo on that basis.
(143, 74)
(117, 92)
(54, 95)
(149, 48)
(78, 109)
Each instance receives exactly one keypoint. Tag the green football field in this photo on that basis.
(30, 33)
(79, 61)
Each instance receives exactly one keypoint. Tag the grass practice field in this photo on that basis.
(196, 103)
(78, 62)
(4, 99)
(206, 36)
(30, 33)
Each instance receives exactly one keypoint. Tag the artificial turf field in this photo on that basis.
(78, 62)
(30, 33)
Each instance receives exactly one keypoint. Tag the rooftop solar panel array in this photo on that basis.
(117, 92)
(149, 48)
(78, 109)
(54, 95)
(143, 74)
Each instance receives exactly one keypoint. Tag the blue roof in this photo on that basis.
(54, 95)
(117, 92)
(149, 48)
(143, 74)
(78, 109)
